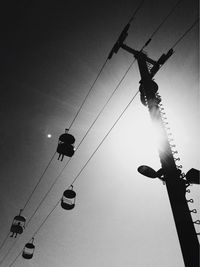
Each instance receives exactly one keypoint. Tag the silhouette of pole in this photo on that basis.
(176, 187)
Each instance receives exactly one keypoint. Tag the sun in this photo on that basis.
(49, 135)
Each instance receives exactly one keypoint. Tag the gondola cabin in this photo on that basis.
(65, 145)
(28, 250)
(68, 199)
(18, 225)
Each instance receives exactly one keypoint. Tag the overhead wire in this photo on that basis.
(4, 241)
(161, 24)
(122, 113)
(41, 177)
(30, 195)
(11, 247)
(44, 197)
(136, 11)
(39, 181)
(130, 20)
(185, 33)
(104, 138)
(38, 229)
(92, 86)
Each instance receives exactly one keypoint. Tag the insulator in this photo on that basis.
(193, 211)
(190, 200)
(177, 159)
(197, 222)
(174, 152)
(188, 191)
(168, 128)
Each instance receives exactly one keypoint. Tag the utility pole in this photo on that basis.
(175, 184)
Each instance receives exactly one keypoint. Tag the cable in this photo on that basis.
(39, 181)
(47, 192)
(55, 152)
(80, 171)
(8, 251)
(80, 142)
(88, 94)
(186, 32)
(136, 11)
(104, 139)
(160, 25)
(4, 240)
(49, 214)
(164, 20)
(107, 102)
(77, 146)
(31, 195)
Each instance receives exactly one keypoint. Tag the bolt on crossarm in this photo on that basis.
(176, 186)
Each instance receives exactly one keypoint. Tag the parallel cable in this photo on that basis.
(81, 141)
(136, 11)
(49, 214)
(30, 195)
(80, 171)
(8, 251)
(165, 19)
(92, 86)
(104, 138)
(43, 199)
(130, 20)
(162, 22)
(39, 181)
(4, 241)
(185, 33)
(101, 111)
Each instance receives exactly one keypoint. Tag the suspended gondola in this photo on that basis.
(65, 145)
(18, 225)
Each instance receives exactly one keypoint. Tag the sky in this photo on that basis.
(51, 52)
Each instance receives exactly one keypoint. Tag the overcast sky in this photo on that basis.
(51, 52)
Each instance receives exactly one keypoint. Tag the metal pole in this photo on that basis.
(176, 186)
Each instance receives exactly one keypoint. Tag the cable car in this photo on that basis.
(28, 250)
(65, 145)
(18, 225)
(68, 199)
